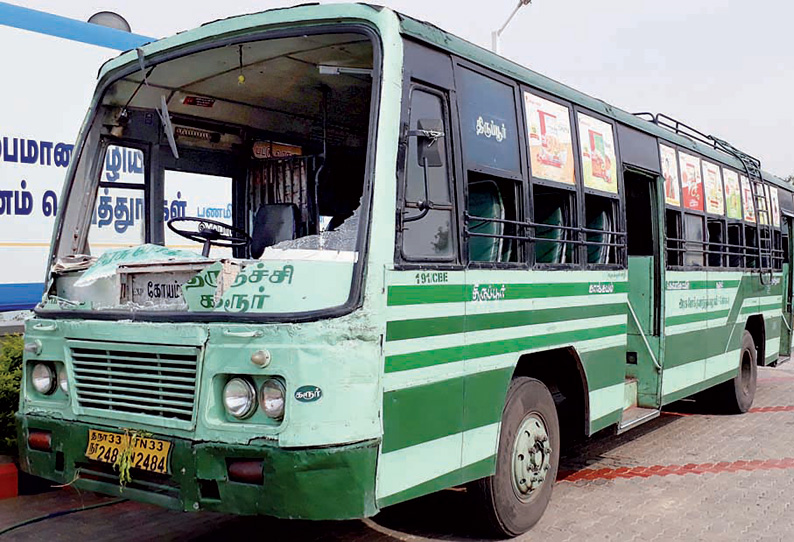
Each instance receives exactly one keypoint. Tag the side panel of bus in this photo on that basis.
(49, 71)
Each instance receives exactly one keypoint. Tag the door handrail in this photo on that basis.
(644, 338)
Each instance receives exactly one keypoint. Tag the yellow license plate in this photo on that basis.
(147, 453)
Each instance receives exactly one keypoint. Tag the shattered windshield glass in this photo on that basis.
(257, 152)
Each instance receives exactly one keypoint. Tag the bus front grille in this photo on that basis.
(124, 378)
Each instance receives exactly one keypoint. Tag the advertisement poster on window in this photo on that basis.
(691, 181)
(747, 198)
(712, 181)
(599, 161)
(775, 206)
(550, 140)
(672, 190)
(733, 199)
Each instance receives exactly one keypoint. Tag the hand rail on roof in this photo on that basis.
(752, 167)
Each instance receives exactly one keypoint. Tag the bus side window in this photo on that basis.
(736, 258)
(600, 213)
(493, 205)
(555, 207)
(695, 241)
(673, 233)
(427, 213)
(751, 246)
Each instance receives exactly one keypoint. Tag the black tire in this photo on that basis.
(508, 511)
(736, 396)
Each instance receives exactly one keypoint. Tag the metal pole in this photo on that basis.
(496, 34)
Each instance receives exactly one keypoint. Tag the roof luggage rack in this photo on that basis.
(752, 167)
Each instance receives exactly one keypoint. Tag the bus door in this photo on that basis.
(644, 300)
(786, 328)
(423, 384)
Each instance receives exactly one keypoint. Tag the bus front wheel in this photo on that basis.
(516, 496)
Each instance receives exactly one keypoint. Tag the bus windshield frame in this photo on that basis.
(90, 143)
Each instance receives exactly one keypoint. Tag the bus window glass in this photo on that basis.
(600, 217)
(751, 246)
(488, 122)
(555, 208)
(492, 201)
(716, 233)
(694, 255)
(119, 217)
(673, 233)
(427, 233)
(298, 151)
(736, 258)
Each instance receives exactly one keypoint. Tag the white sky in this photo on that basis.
(723, 67)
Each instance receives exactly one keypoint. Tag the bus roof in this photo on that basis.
(432, 35)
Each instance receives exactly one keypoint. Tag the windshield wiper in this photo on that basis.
(162, 111)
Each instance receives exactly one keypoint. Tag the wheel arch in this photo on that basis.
(561, 370)
(756, 327)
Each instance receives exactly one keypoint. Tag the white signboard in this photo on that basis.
(47, 87)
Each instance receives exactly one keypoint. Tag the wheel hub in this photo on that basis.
(531, 456)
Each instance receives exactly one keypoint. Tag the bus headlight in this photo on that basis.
(63, 382)
(271, 398)
(239, 398)
(43, 378)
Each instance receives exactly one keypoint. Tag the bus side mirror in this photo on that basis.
(428, 148)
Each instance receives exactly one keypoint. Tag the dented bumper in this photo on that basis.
(333, 482)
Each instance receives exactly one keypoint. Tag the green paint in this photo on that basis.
(199, 291)
(415, 360)
(430, 327)
(696, 317)
(447, 293)
(605, 421)
(475, 471)
(297, 482)
(697, 387)
(700, 344)
(604, 367)
(415, 415)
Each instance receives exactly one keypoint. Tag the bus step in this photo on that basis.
(634, 416)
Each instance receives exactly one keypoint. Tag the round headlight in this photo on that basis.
(271, 398)
(239, 398)
(63, 382)
(43, 378)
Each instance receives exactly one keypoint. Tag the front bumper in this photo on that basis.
(335, 482)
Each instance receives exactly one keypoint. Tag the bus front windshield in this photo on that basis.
(227, 180)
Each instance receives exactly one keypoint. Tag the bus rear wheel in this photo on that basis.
(736, 395)
(516, 496)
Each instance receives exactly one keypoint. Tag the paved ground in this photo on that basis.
(688, 475)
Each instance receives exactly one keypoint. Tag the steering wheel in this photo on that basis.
(211, 233)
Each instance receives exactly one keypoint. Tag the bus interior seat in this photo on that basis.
(599, 253)
(273, 223)
(485, 201)
(551, 251)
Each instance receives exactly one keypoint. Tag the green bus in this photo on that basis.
(316, 261)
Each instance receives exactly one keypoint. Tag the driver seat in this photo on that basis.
(273, 223)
